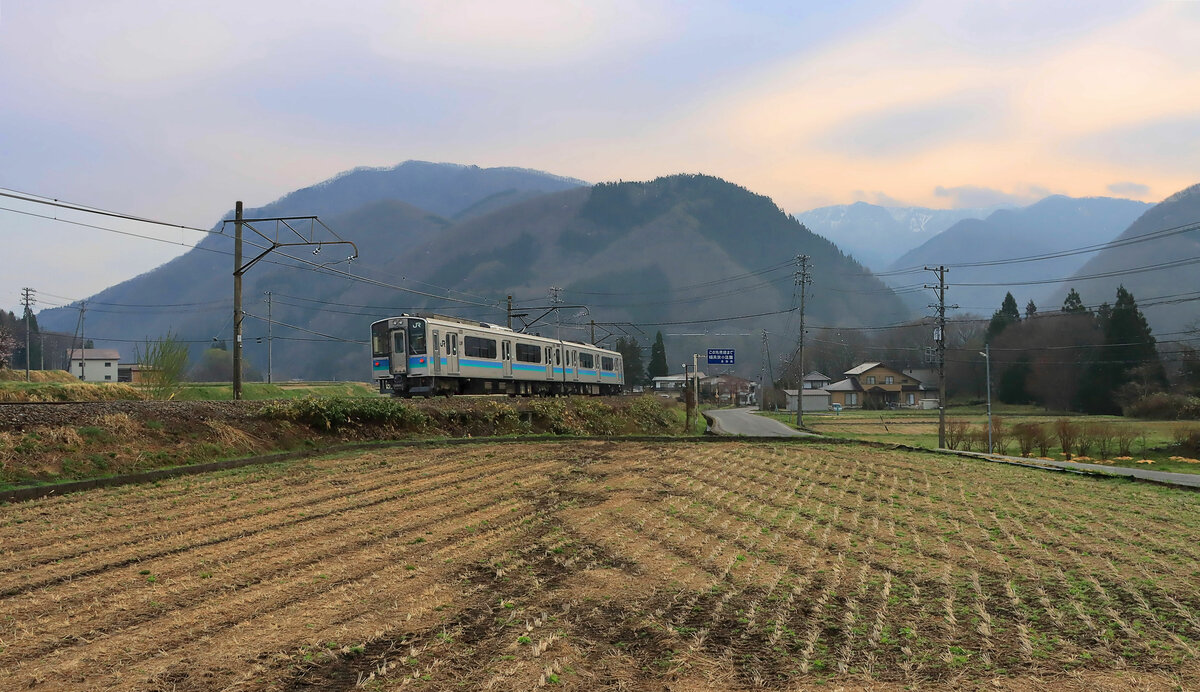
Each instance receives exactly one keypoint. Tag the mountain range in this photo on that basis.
(976, 251)
(693, 256)
(876, 235)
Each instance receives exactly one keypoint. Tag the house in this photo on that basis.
(875, 385)
(134, 373)
(725, 389)
(812, 393)
(93, 364)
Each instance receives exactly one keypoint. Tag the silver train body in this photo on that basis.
(428, 355)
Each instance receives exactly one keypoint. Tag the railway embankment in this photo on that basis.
(54, 442)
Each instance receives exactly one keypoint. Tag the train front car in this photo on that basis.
(399, 362)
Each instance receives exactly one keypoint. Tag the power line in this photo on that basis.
(49, 201)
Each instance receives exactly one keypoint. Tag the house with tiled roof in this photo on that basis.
(875, 385)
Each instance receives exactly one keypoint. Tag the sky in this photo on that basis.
(174, 110)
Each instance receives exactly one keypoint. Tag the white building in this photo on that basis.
(93, 364)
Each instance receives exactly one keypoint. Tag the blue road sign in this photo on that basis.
(720, 356)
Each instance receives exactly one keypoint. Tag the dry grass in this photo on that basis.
(119, 424)
(230, 437)
(63, 376)
(596, 565)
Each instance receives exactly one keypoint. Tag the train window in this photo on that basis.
(586, 360)
(557, 357)
(607, 363)
(379, 339)
(475, 347)
(527, 353)
(416, 337)
(398, 342)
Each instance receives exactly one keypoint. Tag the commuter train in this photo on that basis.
(424, 355)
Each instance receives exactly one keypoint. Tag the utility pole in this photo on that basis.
(762, 371)
(939, 337)
(27, 298)
(239, 269)
(74, 340)
(987, 356)
(237, 301)
(510, 312)
(269, 337)
(803, 280)
(593, 341)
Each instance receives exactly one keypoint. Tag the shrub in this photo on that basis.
(1125, 435)
(1026, 435)
(1001, 435)
(1103, 435)
(1067, 434)
(1164, 406)
(336, 413)
(649, 414)
(956, 433)
(1043, 439)
(1187, 437)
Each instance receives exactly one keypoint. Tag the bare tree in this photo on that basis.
(163, 362)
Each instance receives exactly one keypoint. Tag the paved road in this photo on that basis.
(742, 421)
(1188, 479)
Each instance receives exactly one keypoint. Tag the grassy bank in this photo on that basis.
(157, 435)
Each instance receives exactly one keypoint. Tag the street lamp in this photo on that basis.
(987, 358)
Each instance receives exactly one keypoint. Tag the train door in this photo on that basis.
(549, 364)
(506, 357)
(575, 365)
(399, 360)
(437, 353)
(452, 353)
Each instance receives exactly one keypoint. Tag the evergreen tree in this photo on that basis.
(1129, 347)
(658, 358)
(1011, 388)
(1030, 309)
(631, 359)
(1073, 305)
(1008, 314)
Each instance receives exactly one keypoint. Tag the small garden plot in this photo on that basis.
(605, 565)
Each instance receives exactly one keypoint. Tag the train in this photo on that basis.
(427, 355)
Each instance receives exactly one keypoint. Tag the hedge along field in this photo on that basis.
(594, 565)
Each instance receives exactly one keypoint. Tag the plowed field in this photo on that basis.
(595, 565)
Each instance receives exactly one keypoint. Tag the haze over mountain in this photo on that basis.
(876, 236)
(1160, 271)
(1054, 224)
(662, 251)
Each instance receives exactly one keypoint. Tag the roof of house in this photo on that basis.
(791, 392)
(847, 385)
(678, 378)
(814, 375)
(94, 354)
(816, 392)
(861, 368)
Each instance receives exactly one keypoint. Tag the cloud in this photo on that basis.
(1163, 144)
(878, 198)
(1129, 189)
(974, 196)
(912, 128)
